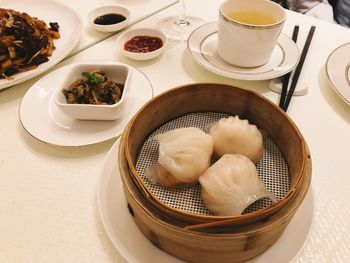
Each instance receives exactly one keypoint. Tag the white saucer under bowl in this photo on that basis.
(136, 248)
(202, 45)
(338, 71)
(42, 118)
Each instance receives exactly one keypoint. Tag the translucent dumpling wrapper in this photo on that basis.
(231, 184)
(184, 154)
(235, 136)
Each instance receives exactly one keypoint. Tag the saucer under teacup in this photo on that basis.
(202, 45)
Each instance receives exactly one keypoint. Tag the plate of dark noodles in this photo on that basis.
(34, 37)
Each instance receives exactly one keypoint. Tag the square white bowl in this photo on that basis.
(118, 73)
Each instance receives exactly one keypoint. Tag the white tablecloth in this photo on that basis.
(48, 209)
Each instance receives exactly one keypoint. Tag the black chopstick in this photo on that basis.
(287, 76)
(298, 68)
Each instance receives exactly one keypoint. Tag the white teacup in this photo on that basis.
(248, 31)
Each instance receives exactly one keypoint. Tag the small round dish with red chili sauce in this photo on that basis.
(142, 43)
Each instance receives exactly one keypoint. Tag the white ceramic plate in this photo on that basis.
(41, 117)
(71, 28)
(202, 46)
(338, 71)
(135, 247)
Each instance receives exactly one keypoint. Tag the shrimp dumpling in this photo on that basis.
(236, 136)
(231, 184)
(184, 154)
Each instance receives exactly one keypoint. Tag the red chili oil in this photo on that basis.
(143, 44)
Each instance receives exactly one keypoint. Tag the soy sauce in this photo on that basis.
(109, 19)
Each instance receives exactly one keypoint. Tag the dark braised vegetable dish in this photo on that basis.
(25, 42)
(94, 88)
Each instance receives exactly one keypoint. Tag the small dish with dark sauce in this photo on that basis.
(142, 43)
(109, 18)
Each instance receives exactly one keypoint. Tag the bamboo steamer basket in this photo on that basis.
(210, 97)
(212, 243)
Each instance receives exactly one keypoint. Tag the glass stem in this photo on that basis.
(181, 21)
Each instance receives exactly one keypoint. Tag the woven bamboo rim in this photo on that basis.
(227, 99)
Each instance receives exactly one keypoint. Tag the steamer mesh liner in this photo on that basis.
(272, 169)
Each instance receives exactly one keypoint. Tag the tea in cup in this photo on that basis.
(248, 31)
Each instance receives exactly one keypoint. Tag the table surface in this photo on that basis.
(48, 207)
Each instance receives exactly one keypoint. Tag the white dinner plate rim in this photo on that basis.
(74, 37)
(111, 134)
(277, 253)
(344, 65)
(277, 72)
